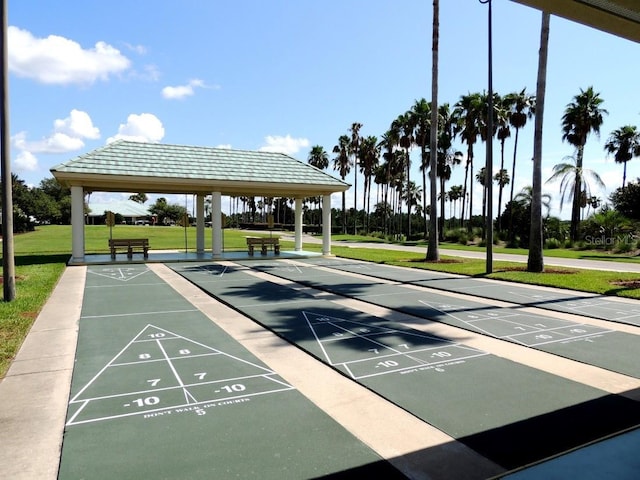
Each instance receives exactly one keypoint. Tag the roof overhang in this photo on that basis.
(124, 183)
(618, 17)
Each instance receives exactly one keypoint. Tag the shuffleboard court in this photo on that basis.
(509, 412)
(598, 346)
(159, 391)
(589, 305)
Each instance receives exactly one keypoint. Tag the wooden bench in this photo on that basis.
(140, 244)
(264, 243)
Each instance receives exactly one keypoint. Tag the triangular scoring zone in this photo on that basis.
(159, 370)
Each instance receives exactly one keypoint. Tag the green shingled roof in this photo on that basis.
(183, 168)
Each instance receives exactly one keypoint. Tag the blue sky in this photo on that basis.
(286, 75)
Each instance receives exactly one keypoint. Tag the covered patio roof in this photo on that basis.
(619, 17)
(126, 166)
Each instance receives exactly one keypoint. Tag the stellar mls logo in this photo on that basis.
(604, 240)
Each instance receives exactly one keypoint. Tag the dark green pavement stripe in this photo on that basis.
(497, 407)
(171, 395)
(585, 343)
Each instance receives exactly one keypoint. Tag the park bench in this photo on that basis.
(264, 243)
(131, 244)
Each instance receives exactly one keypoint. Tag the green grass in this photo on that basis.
(36, 276)
(575, 279)
(41, 257)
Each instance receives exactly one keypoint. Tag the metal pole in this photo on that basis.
(8, 262)
(489, 162)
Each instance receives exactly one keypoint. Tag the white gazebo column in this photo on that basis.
(326, 224)
(216, 224)
(77, 224)
(200, 223)
(298, 224)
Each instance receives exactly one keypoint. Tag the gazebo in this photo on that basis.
(126, 166)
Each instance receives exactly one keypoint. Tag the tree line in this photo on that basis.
(402, 203)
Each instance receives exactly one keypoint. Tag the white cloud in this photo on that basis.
(286, 145)
(145, 127)
(182, 91)
(224, 145)
(77, 124)
(26, 161)
(58, 60)
(67, 135)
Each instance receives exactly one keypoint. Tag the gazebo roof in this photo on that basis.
(619, 17)
(127, 166)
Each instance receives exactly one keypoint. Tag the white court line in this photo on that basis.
(145, 412)
(163, 312)
(561, 340)
(127, 286)
(173, 387)
(140, 362)
(434, 364)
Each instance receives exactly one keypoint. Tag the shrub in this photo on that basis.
(552, 243)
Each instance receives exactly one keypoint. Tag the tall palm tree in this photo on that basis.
(523, 108)
(342, 163)
(354, 149)
(369, 159)
(421, 117)
(467, 114)
(624, 144)
(581, 117)
(432, 246)
(404, 124)
(503, 112)
(535, 259)
(389, 142)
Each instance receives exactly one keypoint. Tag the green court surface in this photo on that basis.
(159, 391)
(589, 305)
(583, 342)
(509, 412)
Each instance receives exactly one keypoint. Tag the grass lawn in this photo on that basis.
(41, 258)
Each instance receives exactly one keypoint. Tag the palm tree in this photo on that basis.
(503, 112)
(369, 159)
(502, 179)
(624, 144)
(581, 117)
(404, 124)
(343, 164)
(421, 117)
(389, 142)
(535, 259)
(526, 198)
(432, 245)
(571, 174)
(523, 108)
(354, 149)
(318, 157)
(455, 193)
(412, 196)
(467, 114)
